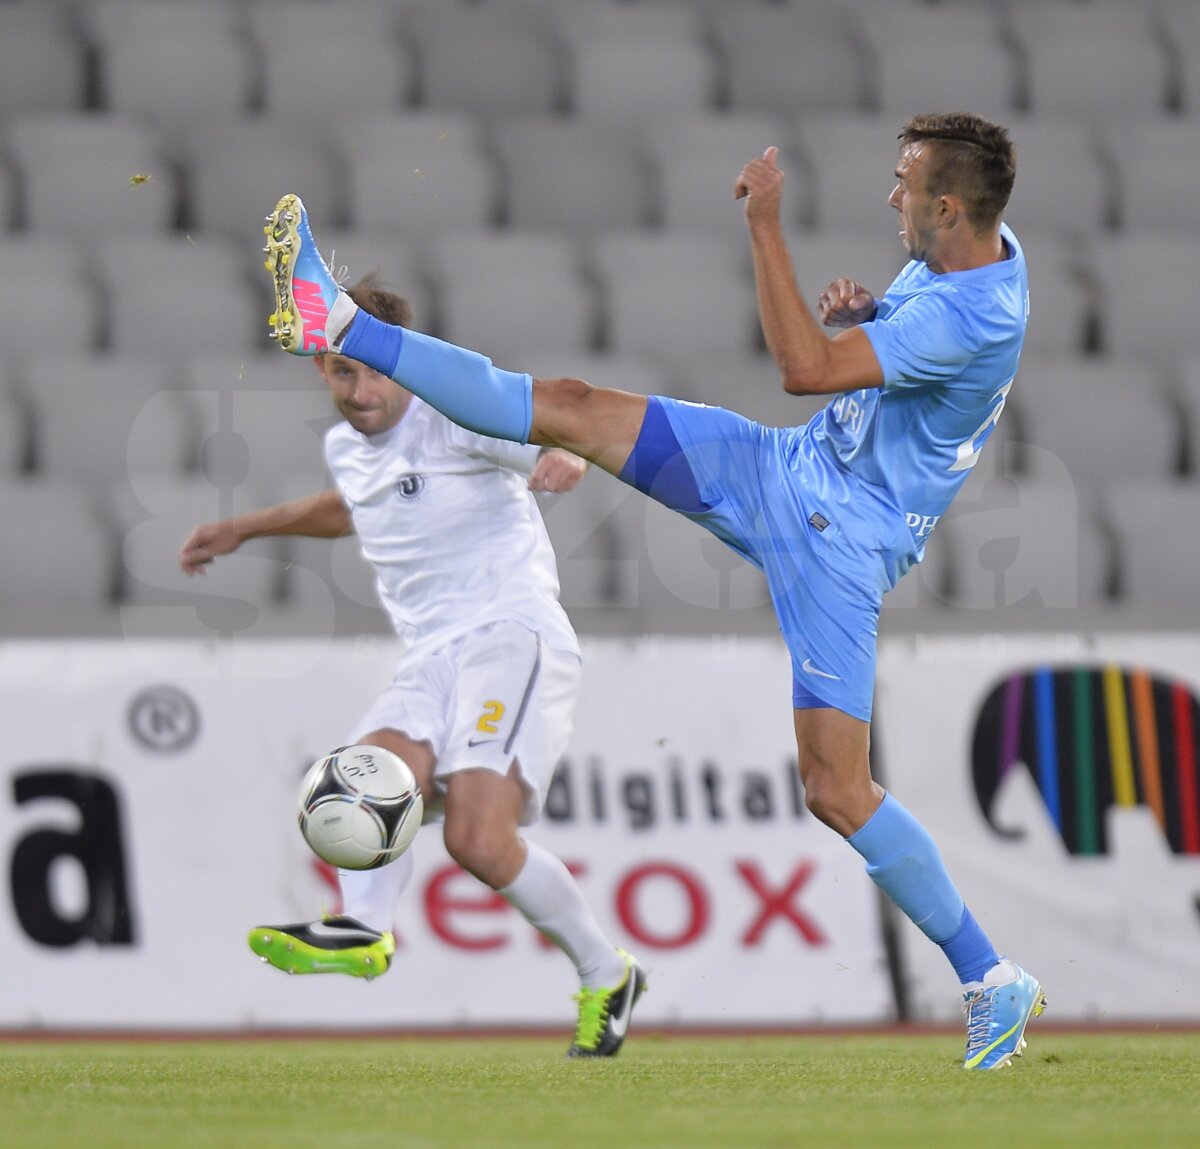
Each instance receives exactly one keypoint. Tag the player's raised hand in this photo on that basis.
(846, 303)
(556, 470)
(205, 543)
(760, 184)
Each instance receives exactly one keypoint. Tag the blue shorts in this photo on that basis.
(780, 502)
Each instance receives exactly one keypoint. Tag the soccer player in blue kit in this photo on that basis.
(834, 511)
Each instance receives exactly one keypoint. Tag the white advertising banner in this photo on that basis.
(147, 821)
(1059, 776)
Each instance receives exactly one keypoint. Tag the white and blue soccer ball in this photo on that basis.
(360, 807)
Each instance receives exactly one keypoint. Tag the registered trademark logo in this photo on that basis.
(164, 719)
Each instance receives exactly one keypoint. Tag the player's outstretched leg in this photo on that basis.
(311, 310)
(997, 1010)
(604, 1013)
(335, 945)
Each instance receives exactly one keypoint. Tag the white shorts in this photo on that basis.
(483, 700)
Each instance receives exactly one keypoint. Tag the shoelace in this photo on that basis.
(977, 1005)
(593, 1016)
(340, 274)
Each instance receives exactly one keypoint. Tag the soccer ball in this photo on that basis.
(360, 807)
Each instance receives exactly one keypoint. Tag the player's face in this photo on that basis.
(911, 198)
(370, 402)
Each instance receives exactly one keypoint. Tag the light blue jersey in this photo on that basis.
(948, 345)
(834, 512)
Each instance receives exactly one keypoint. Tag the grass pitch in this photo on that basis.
(865, 1092)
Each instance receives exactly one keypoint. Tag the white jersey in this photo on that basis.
(447, 520)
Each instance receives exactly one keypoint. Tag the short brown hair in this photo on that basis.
(972, 158)
(375, 298)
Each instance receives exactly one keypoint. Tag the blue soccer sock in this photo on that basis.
(903, 861)
(462, 384)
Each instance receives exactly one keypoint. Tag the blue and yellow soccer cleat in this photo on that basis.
(604, 1013)
(308, 299)
(998, 1009)
(336, 945)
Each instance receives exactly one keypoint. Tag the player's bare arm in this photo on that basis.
(809, 363)
(322, 515)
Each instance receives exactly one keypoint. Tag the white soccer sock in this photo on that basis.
(371, 895)
(546, 893)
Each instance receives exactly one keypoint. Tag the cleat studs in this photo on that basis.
(263, 960)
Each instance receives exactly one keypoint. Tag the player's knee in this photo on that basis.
(476, 846)
(833, 794)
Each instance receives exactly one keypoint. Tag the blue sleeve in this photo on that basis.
(924, 340)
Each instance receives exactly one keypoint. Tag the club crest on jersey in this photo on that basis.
(410, 486)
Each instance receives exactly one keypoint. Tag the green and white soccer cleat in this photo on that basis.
(604, 1013)
(335, 945)
(998, 1009)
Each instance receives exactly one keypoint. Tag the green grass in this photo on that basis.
(864, 1092)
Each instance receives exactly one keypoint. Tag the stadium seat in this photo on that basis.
(1188, 394)
(579, 177)
(107, 22)
(1022, 543)
(851, 173)
(583, 22)
(418, 173)
(318, 80)
(80, 174)
(175, 79)
(685, 580)
(1062, 182)
(1134, 321)
(672, 294)
(1157, 166)
(1100, 420)
(1061, 319)
(489, 61)
(504, 291)
(152, 526)
(98, 438)
(696, 159)
(57, 551)
(747, 382)
(15, 436)
(101, 420)
(783, 58)
(42, 60)
(1093, 61)
(1156, 524)
(616, 80)
(820, 257)
(319, 20)
(598, 583)
(259, 417)
(45, 281)
(236, 171)
(176, 296)
(942, 57)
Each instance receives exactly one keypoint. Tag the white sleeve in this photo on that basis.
(520, 457)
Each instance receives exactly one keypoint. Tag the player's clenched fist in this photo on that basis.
(846, 303)
(760, 184)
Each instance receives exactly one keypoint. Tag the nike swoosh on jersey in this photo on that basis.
(808, 668)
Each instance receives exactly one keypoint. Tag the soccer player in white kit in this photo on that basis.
(482, 703)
